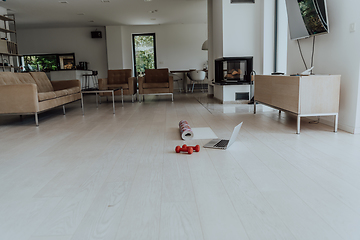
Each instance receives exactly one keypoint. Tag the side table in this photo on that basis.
(96, 91)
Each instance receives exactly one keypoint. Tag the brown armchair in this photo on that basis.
(119, 78)
(156, 82)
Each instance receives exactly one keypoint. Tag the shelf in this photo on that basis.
(16, 68)
(6, 30)
(11, 54)
(4, 18)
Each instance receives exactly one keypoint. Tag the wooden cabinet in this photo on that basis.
(9, 56)
(315, 95)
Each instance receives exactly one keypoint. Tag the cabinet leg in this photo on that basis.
(97, 101)
(298, 125)
(336, 122)
(82, 104)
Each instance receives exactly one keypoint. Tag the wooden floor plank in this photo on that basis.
(116, 176)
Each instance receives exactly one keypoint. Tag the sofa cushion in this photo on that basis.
(25, 78)
(42, 81)
(156, 85)
(113, 86)
(46, 96)
(156, 75)
(61, 93)
(9, 78)
(118, 76)
(73, 90)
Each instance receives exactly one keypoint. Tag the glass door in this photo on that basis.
(144, 52)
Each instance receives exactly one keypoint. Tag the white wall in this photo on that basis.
(242, 31)
(336, 53)
(218, 34)
(114, 47)
(268, 37)
(178, 46)
(247, 29)
(66, 40)
(282, 37)
(210, 39)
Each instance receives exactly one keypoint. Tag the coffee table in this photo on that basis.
(96, 91)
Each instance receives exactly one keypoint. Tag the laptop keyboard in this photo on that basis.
(222, 143)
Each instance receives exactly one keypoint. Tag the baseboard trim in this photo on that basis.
(342, 127)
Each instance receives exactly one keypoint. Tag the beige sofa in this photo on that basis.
(32, 93)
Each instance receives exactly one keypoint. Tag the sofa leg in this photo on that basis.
(172, 97)
(64, 110)
(82, 104)
(132, 98)
(36, 119)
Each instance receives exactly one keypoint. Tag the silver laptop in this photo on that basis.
(223, 143)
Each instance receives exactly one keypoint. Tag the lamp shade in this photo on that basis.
(205, 45)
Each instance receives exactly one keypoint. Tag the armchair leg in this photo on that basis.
(132, 98)
(64, 110)
(82, 104)
(36, 119)
(172, 97)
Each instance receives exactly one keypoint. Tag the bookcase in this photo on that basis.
(9, 55)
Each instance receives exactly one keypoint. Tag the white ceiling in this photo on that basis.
(80, 13)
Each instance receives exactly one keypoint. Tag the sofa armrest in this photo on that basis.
(141, 82)
(171, 84)
(65, 84)
(132, 85)
(18, 98)
(102, 83)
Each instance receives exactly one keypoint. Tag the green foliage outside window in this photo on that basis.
(144, 53)
(311, 18)
(40, 63)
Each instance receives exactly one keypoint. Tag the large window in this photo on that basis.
(144, 52)
(49, 62)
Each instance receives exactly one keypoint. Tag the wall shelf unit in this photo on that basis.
(9, 56)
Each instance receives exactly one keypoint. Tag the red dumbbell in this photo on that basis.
(195, 148)
(184, 148)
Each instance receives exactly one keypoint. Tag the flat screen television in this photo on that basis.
(307, 18)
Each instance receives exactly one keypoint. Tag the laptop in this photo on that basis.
(223, 143)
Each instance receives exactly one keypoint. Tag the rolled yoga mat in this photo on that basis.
(185, 130)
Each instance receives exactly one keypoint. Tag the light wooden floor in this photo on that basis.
(105, 176)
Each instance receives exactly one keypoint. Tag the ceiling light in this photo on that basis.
(81, 14)
(63, 2)
(153, 19)
(105, 1)
(147, 0)
(153, 11)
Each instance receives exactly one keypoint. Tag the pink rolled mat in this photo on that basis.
(185, 130)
